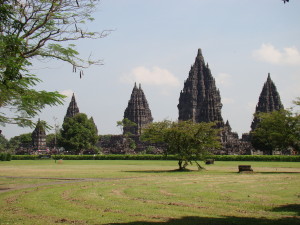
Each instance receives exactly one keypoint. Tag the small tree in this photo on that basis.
(78, 134)
(277, 130)
(187, 140)
(125, 125)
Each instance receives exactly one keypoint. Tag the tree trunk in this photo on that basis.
(180, 164)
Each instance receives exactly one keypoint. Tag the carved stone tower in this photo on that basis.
(200, 100)
(73, 108)
(137, 111)
(269, 100)
(39, 137)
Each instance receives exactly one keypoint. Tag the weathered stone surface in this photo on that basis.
(73, 108)
(137, 111)
(269, 100)
(118, 144)
(39, 137)
(200, 100)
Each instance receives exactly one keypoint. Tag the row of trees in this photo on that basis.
(278, 130)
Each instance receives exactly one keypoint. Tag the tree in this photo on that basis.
(126, 123)
(78, 133)
(277, 130)
(35, 29)
(3, 143)
(185, 139)
(23, 140)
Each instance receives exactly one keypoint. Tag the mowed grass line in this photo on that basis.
(150, 194)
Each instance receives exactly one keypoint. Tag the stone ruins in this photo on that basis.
(73, 108)
(269, 100)
(199, 101)
(39, 138)
(137, 111)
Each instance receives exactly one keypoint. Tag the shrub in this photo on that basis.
(5, 156)
(24, 157)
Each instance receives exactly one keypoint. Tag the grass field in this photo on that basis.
(148, 192)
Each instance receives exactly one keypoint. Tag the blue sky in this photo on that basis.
(155, 43)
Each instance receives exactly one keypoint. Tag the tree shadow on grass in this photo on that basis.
(194, 220)
(288, 208)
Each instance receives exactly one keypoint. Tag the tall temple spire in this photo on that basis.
(269, 100)
(200, 100)
(73, 108)
(39, 137)
(137, 111)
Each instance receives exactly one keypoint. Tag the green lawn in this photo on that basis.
(148, 192)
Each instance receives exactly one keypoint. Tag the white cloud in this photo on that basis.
(155, 76)
(68, 93)
(223, 79)
(268, 53)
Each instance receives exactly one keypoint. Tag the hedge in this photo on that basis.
(283, 158)
(24, 157)
(266, 158)
(5, 156)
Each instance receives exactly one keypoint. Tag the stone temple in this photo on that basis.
(269, 100)
(137, 111)
(200, 100)
(39, 138)
(73, 108)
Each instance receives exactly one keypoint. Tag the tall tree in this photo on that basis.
(31, 29)
(277, 130)
(78, 134)
(185, 139)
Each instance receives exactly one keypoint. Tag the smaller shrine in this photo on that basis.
(39, 139)
(137, 111)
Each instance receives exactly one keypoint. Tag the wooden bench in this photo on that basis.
(245, 168)
(209, 161)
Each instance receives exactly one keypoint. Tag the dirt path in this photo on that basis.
(58, 181)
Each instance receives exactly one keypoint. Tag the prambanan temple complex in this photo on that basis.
(199, 101)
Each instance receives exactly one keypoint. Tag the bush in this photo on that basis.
(24, 157)
(5, 156)
(266, 158)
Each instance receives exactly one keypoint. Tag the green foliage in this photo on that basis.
(185, 139)
(126, 125)
(258, 158)
(115, 157)
(20, 140)
(78, 133)
(33, 29)
(105, 138)
(5, 156)
(51, 139)
(254, 158)
(25, 157)
(3, 143)
(277, 130)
